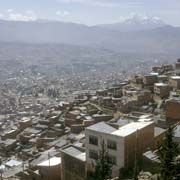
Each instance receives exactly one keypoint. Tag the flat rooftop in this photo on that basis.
(51, 162)
(153, 74)
(75, 152)
(122, 131)
(161, 84)
(175, 77)
(131, 128)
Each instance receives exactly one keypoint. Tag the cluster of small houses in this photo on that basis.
(64, 142)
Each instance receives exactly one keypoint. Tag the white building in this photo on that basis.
(121, 142)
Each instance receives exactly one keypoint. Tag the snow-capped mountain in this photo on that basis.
(135, 22)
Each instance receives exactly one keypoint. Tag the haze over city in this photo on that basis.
(89, 90)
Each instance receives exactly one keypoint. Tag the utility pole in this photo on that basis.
(136, 168)
(49, 163)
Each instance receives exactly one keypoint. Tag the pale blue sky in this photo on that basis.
(89, 11)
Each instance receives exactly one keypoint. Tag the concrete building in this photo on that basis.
(150, 79)
(143, 97)
(173, 110)
(163, 78)
(102, 117)
(73, 114)
(122, 143)
(50, 169)
(156, 68)
(175, 82)
(73, 163)
(167, 67)
(8, 145)
(24, 123)
(178, 64)
(10, 134)
(138, 79)
(161, 89)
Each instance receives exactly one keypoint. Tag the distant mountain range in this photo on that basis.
(135, 23)
(131, 35)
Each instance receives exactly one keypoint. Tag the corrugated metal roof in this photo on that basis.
(102, 127)
(74, 152)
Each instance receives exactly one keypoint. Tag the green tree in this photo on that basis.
(167, 153)
(136, 171)
(177, 166)
(103, 168)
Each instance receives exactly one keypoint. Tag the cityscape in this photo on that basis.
(89, 101)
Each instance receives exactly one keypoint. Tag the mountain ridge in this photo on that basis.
(149, 40)
(135, 23)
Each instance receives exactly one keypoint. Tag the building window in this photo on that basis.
(112, 160)
(93, 140)
(93, 154)
(111, 145)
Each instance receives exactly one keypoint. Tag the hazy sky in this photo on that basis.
(89, 11)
